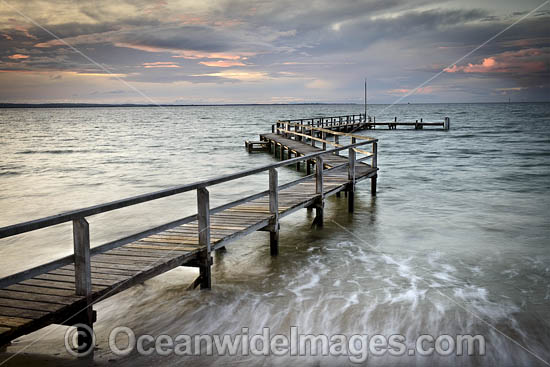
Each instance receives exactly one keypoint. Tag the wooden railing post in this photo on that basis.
(337, 141)
(274, 211)
(82, 267)
(351, 177)
(83, 286)
(319, 175)
(319, 190)
(203, 216)
(324, 137)
(374, 165)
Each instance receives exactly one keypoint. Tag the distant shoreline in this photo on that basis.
(67, 105)
(109, 105)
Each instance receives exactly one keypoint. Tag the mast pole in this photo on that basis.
(365, 99)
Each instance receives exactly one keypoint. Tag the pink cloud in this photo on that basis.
(23, 30)
(18, 57)
(423, 90)
(222, 63)
(190, 54)
(160, 64)
(529, 60)
(49, 44)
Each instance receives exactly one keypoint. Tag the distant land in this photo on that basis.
(92, 105)
(65, 105)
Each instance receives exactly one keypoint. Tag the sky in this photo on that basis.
(277, 51)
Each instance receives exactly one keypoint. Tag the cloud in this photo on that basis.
(240, 75)
(298, 50)
(160, 64)
(523, 62)
(402, 91)
(222, 63)
(319, 84)
(18, 57)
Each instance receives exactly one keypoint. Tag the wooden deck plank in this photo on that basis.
(65, 294)
(105, 269)
(20, 312)
(30, 305)
(95, 274)
(50, 284)
(70, 279)
(13, 322)
(176, 249)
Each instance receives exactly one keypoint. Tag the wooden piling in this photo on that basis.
(351, 177)
(83, 285)
(203, 219)
(374, 164)
(319, 207)
(274, 211)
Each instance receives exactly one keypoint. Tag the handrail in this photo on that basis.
(328, 141)
(69, 259)
(72, 215)
(328, 131)
(325, 117)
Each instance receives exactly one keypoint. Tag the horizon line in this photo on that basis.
(80, 104)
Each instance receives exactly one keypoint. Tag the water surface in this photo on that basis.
(456, 242)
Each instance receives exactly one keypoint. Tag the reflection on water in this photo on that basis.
(456, 242)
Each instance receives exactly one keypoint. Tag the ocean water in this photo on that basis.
(457, 241)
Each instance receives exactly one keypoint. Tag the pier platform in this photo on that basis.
(64, 291)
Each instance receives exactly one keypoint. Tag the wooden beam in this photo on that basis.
(274, 210)
(351, 178)
(203, 208)
(319, 167)
(83, 272)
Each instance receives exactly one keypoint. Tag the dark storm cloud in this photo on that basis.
(361, 33)
(198, 38)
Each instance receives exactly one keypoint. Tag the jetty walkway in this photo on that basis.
(64, 291)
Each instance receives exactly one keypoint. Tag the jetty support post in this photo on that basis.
(351, 177)
(83, 286)
(274, 211)
(203, 216)
(374, 165)
(447, 124)
(319, 206)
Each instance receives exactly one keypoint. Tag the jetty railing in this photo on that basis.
(361, 121)
(330, 121)
(81, 233)
(313, 134)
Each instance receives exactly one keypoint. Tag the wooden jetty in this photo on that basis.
(64, 291)
(352, 123)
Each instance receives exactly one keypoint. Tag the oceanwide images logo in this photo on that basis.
(80, 340)
(123, 341)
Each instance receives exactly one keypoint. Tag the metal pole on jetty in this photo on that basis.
(366, 119)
